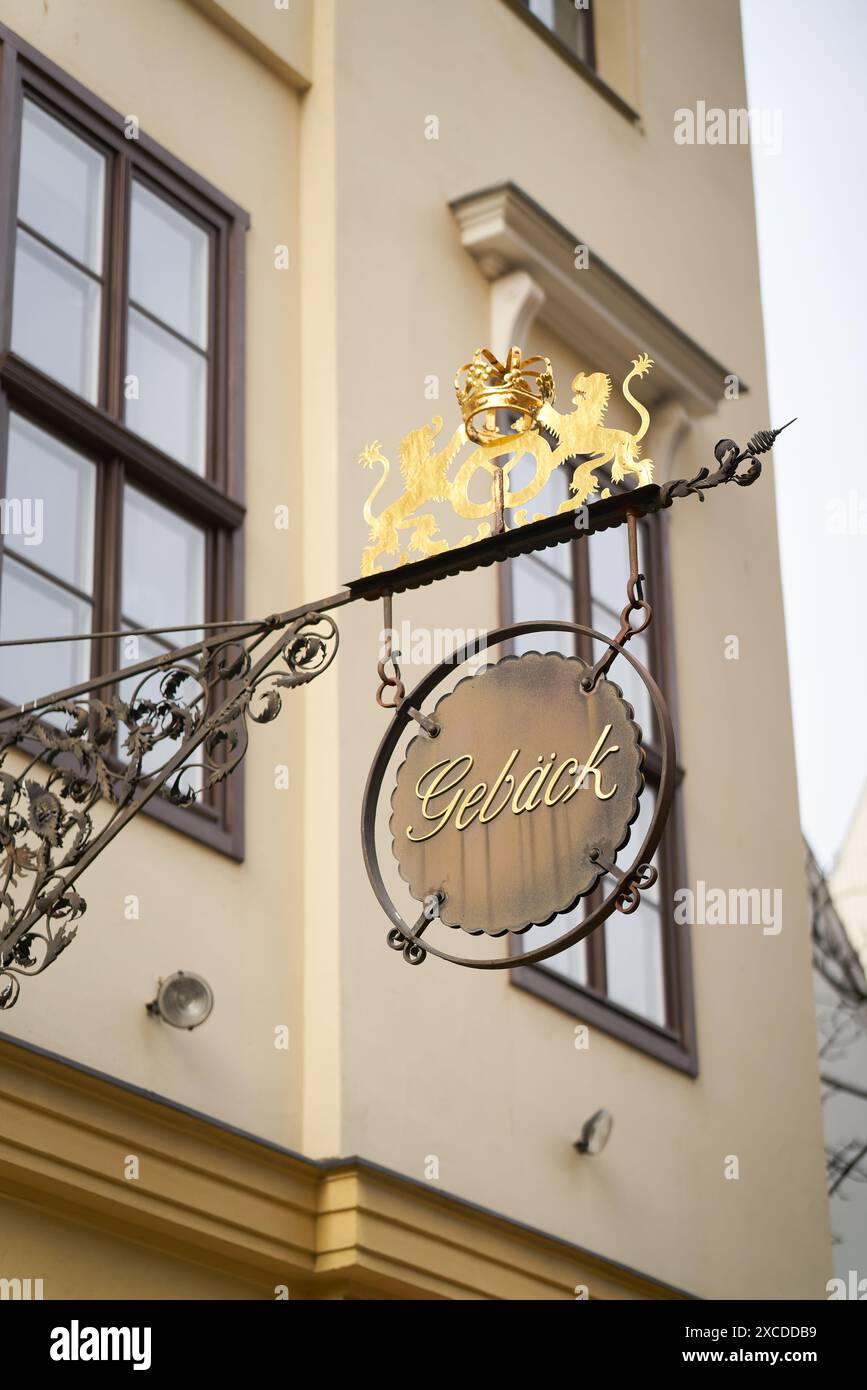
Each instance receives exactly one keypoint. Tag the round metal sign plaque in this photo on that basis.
(531, 784)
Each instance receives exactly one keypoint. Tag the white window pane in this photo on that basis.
(537, 593)
(633, 961)
(546, 501)
(558, 557)
(567, 21)
(31, 606)
(55, 488)
(609, 566)
(61, 186)
(624, 675)
(163, 567)
(570, 964)
(166, 401)
(168, 269)
(55, 317)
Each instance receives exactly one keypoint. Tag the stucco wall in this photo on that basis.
(464, 1066)
(76, 1262)
(399, 1064)
(213, 105)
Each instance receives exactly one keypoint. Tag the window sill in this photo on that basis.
(589, 74)
(663, 1044)
(201, 823)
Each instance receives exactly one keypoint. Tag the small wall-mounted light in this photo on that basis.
(183, 1000)
(595, 1133)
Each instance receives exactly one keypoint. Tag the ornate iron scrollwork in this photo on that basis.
(181, 730)
(177, 725)
(729, 456)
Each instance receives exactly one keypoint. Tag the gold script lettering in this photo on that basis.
(435, 788)
(472, 798)
(503, 776)
(591, 769)
(538, 786)
(535, 797)
(573, 767)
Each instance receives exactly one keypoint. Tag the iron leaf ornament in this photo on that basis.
(182, 730)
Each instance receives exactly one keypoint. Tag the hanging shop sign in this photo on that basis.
(521, 786)
(505, 832)
(515, 795)
(513, 798)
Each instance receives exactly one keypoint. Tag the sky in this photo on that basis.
(807, 61)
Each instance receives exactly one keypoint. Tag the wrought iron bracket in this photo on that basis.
(177, 726)
(179, 730)
(555, 530)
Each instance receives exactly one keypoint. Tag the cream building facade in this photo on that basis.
(407, 181)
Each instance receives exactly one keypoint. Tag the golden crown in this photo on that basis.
(501, 399)
(509, 422)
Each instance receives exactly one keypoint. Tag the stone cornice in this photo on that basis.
(506, 231)
(217, 1197)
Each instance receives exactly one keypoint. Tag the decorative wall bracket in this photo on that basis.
(77, 766)
(179, 729)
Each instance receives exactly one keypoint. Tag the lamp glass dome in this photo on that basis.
(185, 1000)
(595, 1133)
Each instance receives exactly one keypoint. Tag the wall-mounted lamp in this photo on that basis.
(595, 1133)
(183, 1000)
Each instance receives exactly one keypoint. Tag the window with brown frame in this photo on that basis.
(632, 976)
(567, 28)
(570, 25)
(121, 371)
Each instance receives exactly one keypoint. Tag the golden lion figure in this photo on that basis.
(583, 431)
(425, 480)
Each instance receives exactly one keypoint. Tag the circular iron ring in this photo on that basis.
(389, 743)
